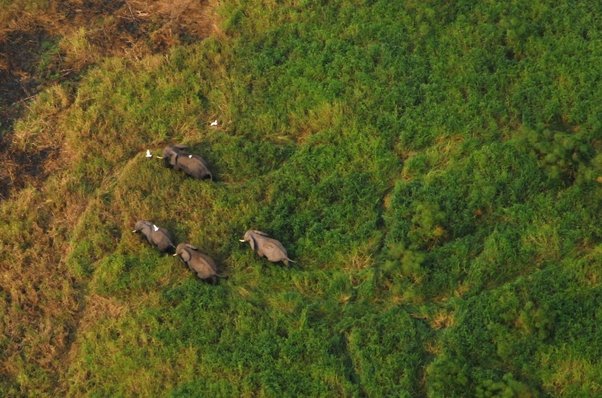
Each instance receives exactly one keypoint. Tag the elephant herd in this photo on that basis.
(176, 157)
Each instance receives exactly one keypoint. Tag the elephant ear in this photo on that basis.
(185, 255)
(191, 247)
(180, 146)
(252, 243)
(260, 233)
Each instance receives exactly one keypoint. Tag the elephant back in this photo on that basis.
(203, 265)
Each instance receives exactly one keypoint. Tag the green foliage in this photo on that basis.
(565, 156)
(433, 167)
(505, 337)
(387, 353)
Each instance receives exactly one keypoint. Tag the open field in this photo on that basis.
(434, 168)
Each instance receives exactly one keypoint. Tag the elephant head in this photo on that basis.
(143, 226)
(184, 250)
(195, 166)
(171, 153)
(203, 265)
(250, 236)
(156, 236)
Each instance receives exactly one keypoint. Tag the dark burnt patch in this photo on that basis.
(21, 168)
(19, 56)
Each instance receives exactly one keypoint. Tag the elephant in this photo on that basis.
(156, 236)
(203, 265)
(195, 166)
(266, 247)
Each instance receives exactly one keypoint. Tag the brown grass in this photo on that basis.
(85, 32)
(34, 149)
(42, 296)
(442, 319)
(40, 299)
(98, 307)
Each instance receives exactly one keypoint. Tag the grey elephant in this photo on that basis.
(202, 264)
(177, 158)
(266, 247)
(156, 236)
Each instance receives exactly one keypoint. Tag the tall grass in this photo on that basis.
(433, 168)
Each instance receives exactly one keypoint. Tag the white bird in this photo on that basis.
(148, 153)
(214, 123)
(155, 228)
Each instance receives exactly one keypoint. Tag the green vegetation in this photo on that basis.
(434, 167)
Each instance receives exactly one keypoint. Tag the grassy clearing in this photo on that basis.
(433, 168)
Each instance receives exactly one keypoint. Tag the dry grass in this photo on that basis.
(40, 299)
(85, 32)
(33, 150)
(570, 373)
(43, 297)
(98, 307)
(442, 319)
